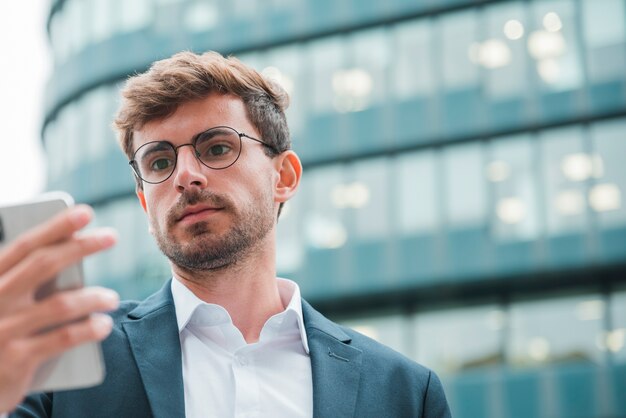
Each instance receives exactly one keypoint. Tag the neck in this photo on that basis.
(247, 290)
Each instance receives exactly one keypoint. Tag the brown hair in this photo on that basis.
(186, 76)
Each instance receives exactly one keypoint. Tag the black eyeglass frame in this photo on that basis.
(133, 162)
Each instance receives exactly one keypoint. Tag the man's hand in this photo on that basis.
(30, 261)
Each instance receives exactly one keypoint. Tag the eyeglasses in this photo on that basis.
(217, 148)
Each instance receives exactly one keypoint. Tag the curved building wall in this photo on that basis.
(464, 197)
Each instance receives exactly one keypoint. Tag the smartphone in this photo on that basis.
(81, 366)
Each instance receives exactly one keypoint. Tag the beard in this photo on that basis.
(205, 249)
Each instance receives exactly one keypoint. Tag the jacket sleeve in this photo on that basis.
(435, 403)
(36, 405)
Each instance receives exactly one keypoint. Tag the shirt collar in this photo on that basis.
(186, 303)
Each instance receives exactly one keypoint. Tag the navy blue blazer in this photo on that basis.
(353, 376)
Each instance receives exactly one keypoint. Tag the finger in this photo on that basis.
(60, 308)
(52, 343)
(59, 227)
(45, 263)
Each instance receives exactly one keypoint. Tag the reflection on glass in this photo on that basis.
(458, 33)
(511, 175)
(465, 186)
(554, 45)
(412, 66)
(607, 196)
(460, 339)
(369, 196)
(289, 241)
(370, 61)
(134, 15)
(513, 29)
(201, 16)
(327, 58)
(565, 194)
(555, 331)
(324, 225)
(284, 65)
(604, 32)
(416, 205)
(615, 339)
(101, 18)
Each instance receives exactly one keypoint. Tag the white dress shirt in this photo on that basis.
(226, 377)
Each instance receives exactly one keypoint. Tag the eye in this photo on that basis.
(218, 150)
(160, 164)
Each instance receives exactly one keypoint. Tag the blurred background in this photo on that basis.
(463, 199)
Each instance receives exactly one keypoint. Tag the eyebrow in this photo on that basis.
(158, 146)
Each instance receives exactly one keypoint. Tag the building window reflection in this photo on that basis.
(553, 45)
(367, 198)
(502, 53)
(604, 30)
(615, 339)
(417, 209)
(459, 33)
(465, 186)
(556, 331)
(324, 218)
(331, 79)
(457, 340)
(412, 66)
(607, 197)
(511, 176)
(566, 166)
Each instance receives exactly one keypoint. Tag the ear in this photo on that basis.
(142, 198)
(289, 169)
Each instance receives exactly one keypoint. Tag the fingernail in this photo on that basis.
(111, 298)
(102, 325)
(81, 215)
(106, 236)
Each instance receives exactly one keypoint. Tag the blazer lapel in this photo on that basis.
(336, 366)
(153, 336)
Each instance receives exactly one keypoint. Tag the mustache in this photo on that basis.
(193, 198)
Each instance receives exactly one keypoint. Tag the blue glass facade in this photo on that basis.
(464, 194)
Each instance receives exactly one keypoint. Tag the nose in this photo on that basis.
(189, 171)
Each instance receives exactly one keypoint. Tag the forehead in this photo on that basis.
(196, 116)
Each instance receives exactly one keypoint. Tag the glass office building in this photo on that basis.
(464, 194)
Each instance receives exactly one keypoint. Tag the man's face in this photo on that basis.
(201, 218)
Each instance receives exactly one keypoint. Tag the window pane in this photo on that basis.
(367, 195)
(503, 52)
(416, 196)
(465, 185)
(328, 64)
(323, 220)
(289, 241)
(511, 175)
(608, 194)
(366, 81)
(284, 65)
(616, 338)
(413, 73)
(566, 167)
(553, 45)
(556, 331)
(458, 34)
(459, 339)
(604, 30)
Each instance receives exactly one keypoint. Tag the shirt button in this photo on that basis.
(241, 360)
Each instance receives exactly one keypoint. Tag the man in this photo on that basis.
(209, 145)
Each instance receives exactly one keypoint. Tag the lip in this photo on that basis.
(197, 212)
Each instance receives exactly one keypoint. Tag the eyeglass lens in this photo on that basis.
(216, 148)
